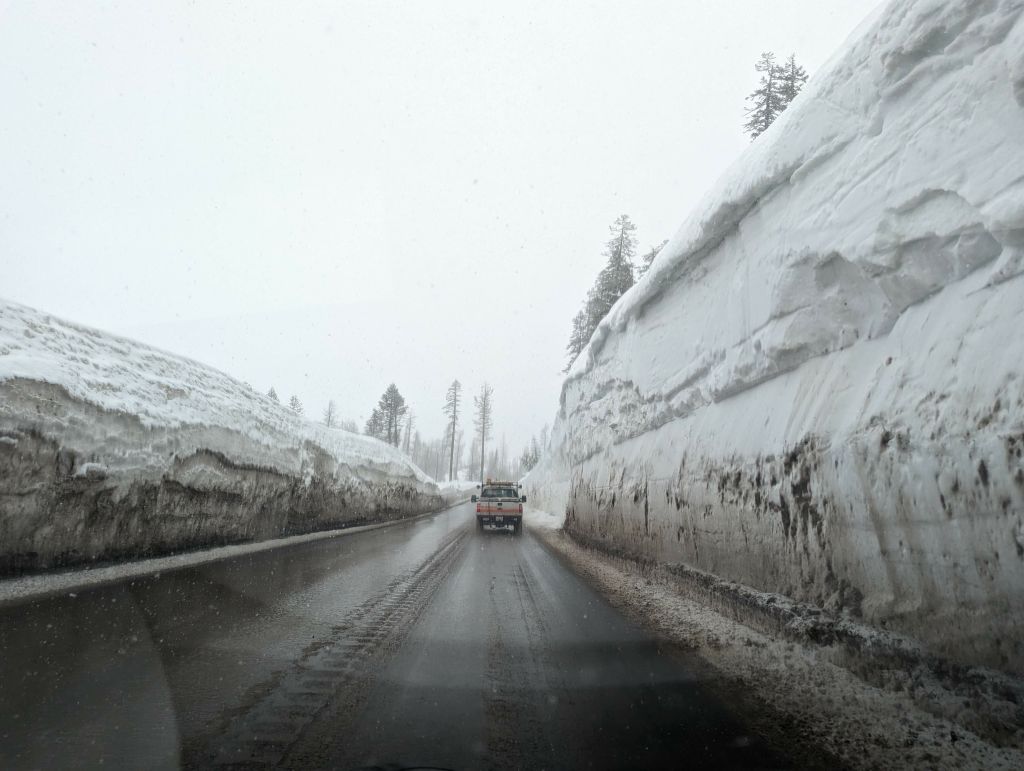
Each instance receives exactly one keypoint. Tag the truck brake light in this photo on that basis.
(520, 508)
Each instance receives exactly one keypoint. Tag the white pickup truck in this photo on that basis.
(499, 505)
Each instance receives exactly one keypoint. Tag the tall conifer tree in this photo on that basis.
(767, 101)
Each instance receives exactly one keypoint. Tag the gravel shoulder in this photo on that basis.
(824, 713)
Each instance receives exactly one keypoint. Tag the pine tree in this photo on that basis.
(295, 404)
(647, 259)
(792, 77)
(386, 420)
(617, 276)
(614, 280)
(330, 414)
(524, 460)
(484, 420)
(273, 395)
(529, 457)
(577, 338)
(375, 424)
(451, 409)
(767, 100)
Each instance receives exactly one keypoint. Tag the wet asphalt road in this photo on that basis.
(423, 644)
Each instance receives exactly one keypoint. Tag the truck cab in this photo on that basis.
(499, 504)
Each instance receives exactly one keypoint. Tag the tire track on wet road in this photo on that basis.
(331, 670)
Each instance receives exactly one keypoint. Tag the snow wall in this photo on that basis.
(817, 389)
(112, 449)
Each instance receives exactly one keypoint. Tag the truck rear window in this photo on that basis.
(499, 492)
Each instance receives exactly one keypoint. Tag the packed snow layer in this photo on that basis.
(817, 388)
(110, 448)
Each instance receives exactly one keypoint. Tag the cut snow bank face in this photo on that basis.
(817, 388)
(110, 448)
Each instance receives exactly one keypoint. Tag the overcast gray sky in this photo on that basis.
(328, 197)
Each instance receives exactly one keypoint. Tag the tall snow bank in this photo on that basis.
(111, 448)
(817, 388)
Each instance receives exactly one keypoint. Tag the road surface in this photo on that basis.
(423, 644)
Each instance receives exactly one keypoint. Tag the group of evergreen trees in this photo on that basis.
(487, 456)
(387, 419)
(779, 86)
(780, 83)
(615, 278)
(393, 422)
(451, 443)
(530, 455)
(446, 455)
(293, 403)
(330, 416)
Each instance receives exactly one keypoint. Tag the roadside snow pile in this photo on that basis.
(817, 389)
(542, 519)
(110, 448)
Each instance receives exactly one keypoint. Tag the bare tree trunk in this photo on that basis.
(483, 455)
(451, 454)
